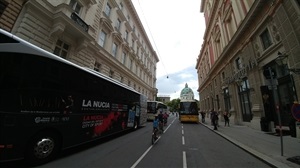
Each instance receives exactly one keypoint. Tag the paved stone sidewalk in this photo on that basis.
(265, 146)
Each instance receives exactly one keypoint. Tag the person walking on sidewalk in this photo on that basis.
(226, 118)
(215, 118)
(202, 116)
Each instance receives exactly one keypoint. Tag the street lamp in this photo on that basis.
(282, 60)
(275, 95)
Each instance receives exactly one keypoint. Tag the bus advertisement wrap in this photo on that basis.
(50, 101)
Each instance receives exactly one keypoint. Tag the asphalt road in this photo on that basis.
(181, 145)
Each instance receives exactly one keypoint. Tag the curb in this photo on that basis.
(270, 161)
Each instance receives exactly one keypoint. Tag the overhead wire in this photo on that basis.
(153, 40)
(167, 75)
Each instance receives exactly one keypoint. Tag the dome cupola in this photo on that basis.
(187, 93)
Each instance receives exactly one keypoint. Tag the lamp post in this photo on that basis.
(282, 61)
(276, 107)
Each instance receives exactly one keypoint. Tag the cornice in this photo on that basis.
(139, 24)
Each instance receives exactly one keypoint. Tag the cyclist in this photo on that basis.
(155, 126)
(165, 117)
(161, 120)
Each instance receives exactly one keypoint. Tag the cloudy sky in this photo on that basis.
(175, 29)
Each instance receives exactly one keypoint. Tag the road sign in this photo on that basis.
(296, 111)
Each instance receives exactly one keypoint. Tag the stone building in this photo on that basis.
(164, 98)
(9, 11)
(249, 61)
(104, 35)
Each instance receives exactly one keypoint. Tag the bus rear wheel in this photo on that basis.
(42, 148)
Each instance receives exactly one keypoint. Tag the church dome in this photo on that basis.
(187, 93)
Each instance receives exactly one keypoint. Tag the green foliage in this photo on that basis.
(174, 105)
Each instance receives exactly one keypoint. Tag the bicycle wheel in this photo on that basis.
(153, 139)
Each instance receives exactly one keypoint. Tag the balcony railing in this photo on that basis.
(79, 21)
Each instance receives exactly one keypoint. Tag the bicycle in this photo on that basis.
(155, 133)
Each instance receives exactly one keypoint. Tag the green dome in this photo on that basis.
(186, 91)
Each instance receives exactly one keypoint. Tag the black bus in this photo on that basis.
(48, 104)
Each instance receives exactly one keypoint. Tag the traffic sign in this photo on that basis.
(296, 111)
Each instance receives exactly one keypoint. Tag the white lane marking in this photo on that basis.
(182, 132)
(145, 153)
(173, 121)
(184, 159)
(167, 128)
(183, 140)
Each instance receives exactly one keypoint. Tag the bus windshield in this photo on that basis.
(151, 107)
(154, 107)
(188, 108)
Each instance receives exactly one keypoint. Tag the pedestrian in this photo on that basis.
(165, 118)
(203, 116)
(226, 118)
(215, 118)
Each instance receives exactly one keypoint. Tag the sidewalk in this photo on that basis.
(265, 146)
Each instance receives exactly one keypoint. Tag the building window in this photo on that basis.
(121, 6)
(128, 18)
(244, 96)
(75, 6)
(118, 24)
(238, 63)
(223, 76)
(97, 67)
(132, 42)
(122, 79)
(114, 49)
(61, 49)
(130, 64)
(102, 38)
(107, 9)
(227, 99)
(266, 39)
(126, 35)
(136, 69)
(124, 58)
(111, 73)
(3, 5)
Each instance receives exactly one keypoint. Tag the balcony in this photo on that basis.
(79, 22)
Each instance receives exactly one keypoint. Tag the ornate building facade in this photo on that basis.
(104, 35)
(250, 59)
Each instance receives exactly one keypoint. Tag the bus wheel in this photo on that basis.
(42, 148)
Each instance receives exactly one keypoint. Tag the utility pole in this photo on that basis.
(275, 95)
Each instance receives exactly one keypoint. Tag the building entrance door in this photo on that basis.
(245, 100)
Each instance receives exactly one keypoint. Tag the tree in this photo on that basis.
(174, 104)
